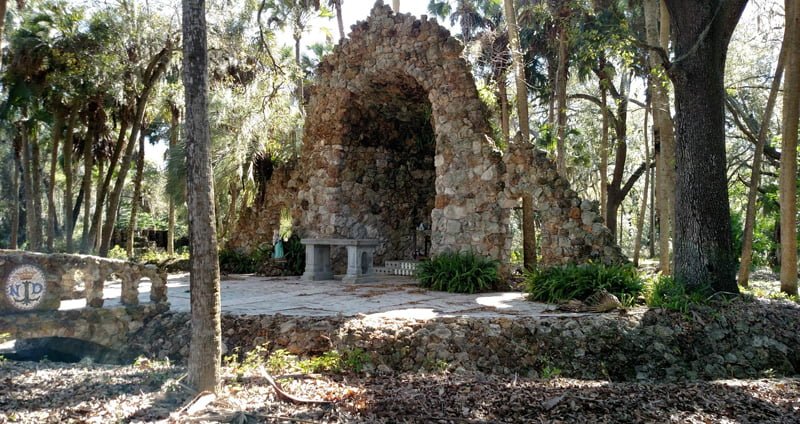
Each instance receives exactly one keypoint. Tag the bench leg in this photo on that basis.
(359, 265)
(318, 263)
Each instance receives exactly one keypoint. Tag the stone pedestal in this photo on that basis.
(360, 253)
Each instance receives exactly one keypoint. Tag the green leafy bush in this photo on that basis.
(295, 254)
(581, 281)
(235, 262)
(463, 272)
(664, 292)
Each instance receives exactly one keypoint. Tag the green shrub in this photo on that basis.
(569, 282)
(295, 254)
(235, 262)
(463, 272)
(664, 292)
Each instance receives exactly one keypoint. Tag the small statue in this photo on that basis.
(277, 243)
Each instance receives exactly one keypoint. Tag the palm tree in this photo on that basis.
(206, 341)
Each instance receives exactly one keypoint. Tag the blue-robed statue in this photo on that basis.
(277, 245)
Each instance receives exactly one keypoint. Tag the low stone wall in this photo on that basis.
(109, 327)
(33, 281)
(745, 339)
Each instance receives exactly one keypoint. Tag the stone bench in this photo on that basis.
(360, 254)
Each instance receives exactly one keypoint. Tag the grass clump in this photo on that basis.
(556, 284)
(463, 272)
(666, 293)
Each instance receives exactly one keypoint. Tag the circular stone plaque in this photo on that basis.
(25, 287)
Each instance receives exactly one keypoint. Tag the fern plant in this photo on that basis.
(572, 281)
(463, 272)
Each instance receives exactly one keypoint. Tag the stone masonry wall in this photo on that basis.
(744, 339)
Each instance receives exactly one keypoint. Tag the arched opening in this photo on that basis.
(387, 174)
(63, 349)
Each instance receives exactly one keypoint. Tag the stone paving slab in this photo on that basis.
(390, 296)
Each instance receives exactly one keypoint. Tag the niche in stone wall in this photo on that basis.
(388, 173)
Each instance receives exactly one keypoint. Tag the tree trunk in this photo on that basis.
(27, 183)
(137, 195)
(396, 6)
(338, 6)
(173, 141)
(155, 68)
(67, 153)
(637, 244)
(13, 238)
(755, 176)
(88, 164)
(703, 249)
(788, 177)
(58, 129)
(206, 343)
(603, 149)
(663, 131)
(562, 15)
(103, 184)
(505, 120)
(3, 9)
(528, 228)
(36, 191)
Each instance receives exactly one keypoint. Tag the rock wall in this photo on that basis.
(256, 224)
(738, 340)
(572, 229)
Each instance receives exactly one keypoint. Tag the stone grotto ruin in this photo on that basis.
(396, 139)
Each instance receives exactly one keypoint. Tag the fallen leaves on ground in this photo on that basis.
(153, 392)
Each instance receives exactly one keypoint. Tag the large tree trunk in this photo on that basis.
(788, 177)
(137, 195)
(663, 130)
(206, 343)
(57, 130)
(703, 249)
(94, 235)
(528, 227)
(68, 146)
(755, 176)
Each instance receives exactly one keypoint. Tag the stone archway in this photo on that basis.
(396, 136)
(396, 76)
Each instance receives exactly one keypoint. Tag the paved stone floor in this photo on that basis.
(390, 296)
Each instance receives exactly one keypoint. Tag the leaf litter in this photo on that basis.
(49, 392)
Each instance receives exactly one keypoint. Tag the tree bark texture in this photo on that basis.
(755, 175)
(703, 249)
(67, 154)
(528, 228)
(561, 96)
(57, 130)
(175, 116)
(788, 177)
(13, 238)
(88, 164)
(663, 130)
(206, 342)
(637, 244)
(137, 195)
